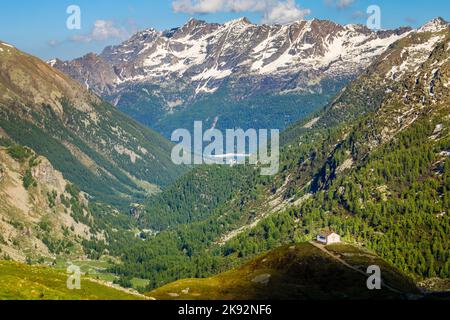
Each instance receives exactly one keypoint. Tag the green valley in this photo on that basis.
(81, 183)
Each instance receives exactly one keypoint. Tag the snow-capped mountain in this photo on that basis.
(156, 76)
(435, 25)
(204, 54)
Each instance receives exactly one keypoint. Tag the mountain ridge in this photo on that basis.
(94, 145)
(163, 77)
(197, 29)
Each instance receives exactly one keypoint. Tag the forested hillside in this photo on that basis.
(42, 215)
(382, 181)
(195, 195)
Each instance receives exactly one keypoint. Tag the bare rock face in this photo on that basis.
(30, 214)
(46, 174)
(93, 69)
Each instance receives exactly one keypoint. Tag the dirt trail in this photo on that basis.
(342, 261)
(110, 285)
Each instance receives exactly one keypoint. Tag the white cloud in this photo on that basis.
(359, 14)
(341, 4)
(285, 12)
(53, 43)
(102, 30)
(274, 11)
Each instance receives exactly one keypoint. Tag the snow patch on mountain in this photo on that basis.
(199, 56)
(435, 25)
(6, 45)
(413, 56)
(212, 74)
(344, 53)
(165, 58)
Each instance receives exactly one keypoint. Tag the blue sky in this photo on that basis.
(39, 26)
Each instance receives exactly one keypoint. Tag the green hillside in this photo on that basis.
(383, 179)
(194, 196)
(23, 282)
(297, 272)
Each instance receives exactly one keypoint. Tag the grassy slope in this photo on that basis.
(22, 282)
(296, 272)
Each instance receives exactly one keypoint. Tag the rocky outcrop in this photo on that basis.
(38, 220)
(46, 174)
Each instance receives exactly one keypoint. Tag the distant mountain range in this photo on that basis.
(219, 72)
(205, 54)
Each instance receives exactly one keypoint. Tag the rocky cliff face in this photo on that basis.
(236, 74)
(41, 217)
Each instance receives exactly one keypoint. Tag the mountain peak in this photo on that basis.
(192, 22)
(435, 25)
(240, 21)
(38, 83)
(356, 27)
(53, 62)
